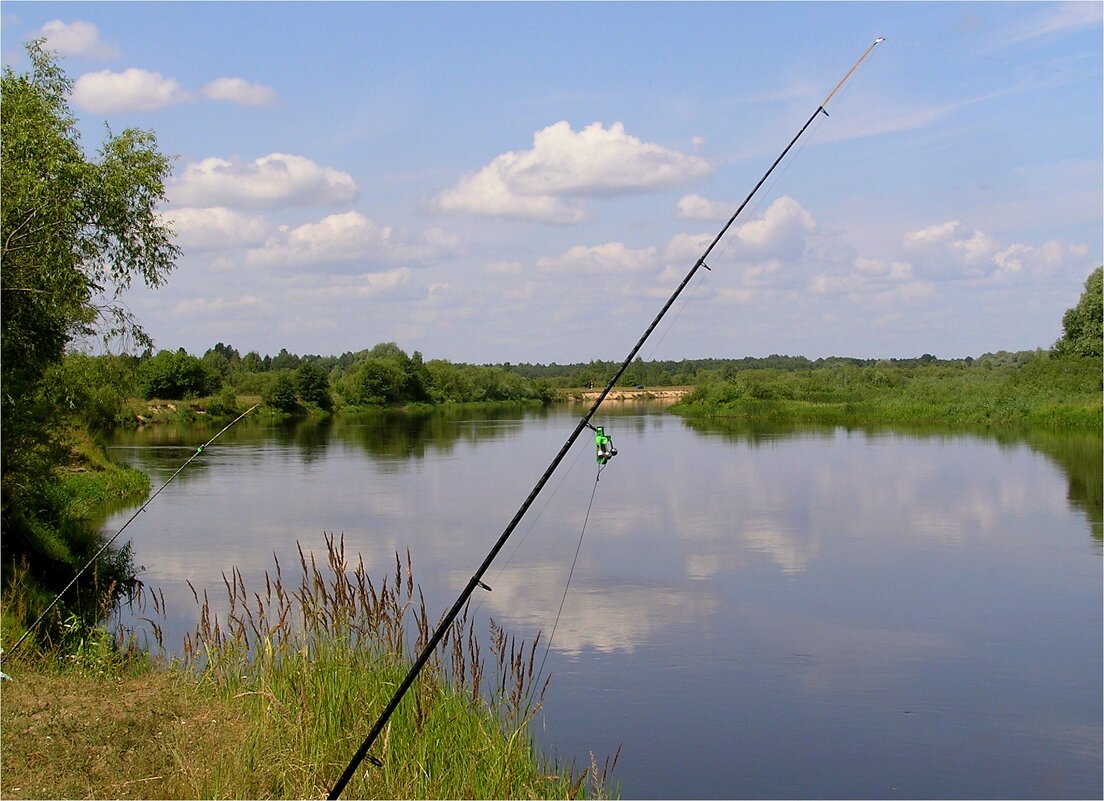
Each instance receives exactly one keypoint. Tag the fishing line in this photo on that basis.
(759, 209)
(567, 585)
(695, 290)
(107, 544)
(476, 580)
(525, 533)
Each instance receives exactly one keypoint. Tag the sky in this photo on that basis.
(490, 182)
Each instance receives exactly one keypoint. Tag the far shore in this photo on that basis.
(666, 395)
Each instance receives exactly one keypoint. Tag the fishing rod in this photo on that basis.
(476, 579)
(107, 544)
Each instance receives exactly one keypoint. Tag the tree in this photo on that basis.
(74, 233)
(281, 393)
(94, 389)
(284, 361)
(172, 376)
(313, 385)
(387, 350)
(1083, 324)
(375, 382)
(252, 362)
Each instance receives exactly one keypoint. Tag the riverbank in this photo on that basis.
(1046, 393)
(661, 395)
(85, 483)
(272, 696)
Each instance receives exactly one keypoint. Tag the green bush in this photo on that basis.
(281, 394)
(174, 376)
(313, 386)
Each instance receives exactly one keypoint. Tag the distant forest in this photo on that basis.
(385, 375)
(656, 373)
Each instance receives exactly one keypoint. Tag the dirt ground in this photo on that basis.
(661, 394)
(75, 736)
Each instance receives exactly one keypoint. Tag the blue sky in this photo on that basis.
(529, 182)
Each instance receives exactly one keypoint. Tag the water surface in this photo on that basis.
(814, 612)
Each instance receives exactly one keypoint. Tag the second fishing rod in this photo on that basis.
(476, 581)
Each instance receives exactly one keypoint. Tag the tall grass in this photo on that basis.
(1045, 392)
(318, 659)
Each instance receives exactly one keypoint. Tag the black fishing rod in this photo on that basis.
(130, 520)
(476, 579)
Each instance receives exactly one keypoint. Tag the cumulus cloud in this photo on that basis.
(563, 164)
(683, 248)
(488, 193)
(133, 89)
(349, 237)
(780, 233)
(76, 39)
(354, 287)
(271, 181)
(934, 235)
(136, 89)
(216, 228)
(874, 282)
(696, 207)
(240, 91)
(610, 257)
(949, 252)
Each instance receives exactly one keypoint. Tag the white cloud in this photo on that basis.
(240, 91)
(947, 252)
(487, 193)
(350, 237)
(874, 282)
(216, 228)
(610, 257)
(133, 89)
(1044, 260)
(203, 307)
(978, 249)
(136, 89)
(930, 236)
(275, 180)
(76, 39)
(780, 233)
(683, 248)
(696, 207)
(565, 164)
(354, 287)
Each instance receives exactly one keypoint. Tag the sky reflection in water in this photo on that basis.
(753, 614)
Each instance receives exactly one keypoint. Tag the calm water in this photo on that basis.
(755, 613)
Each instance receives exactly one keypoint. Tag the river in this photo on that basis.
(755, 613)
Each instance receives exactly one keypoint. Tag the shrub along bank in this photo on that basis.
(1053, 392)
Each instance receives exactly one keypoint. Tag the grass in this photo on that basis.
(90, 482)
(1045, 392)
(273, 696)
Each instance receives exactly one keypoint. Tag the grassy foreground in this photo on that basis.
(1045, 392)
(274, 694)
